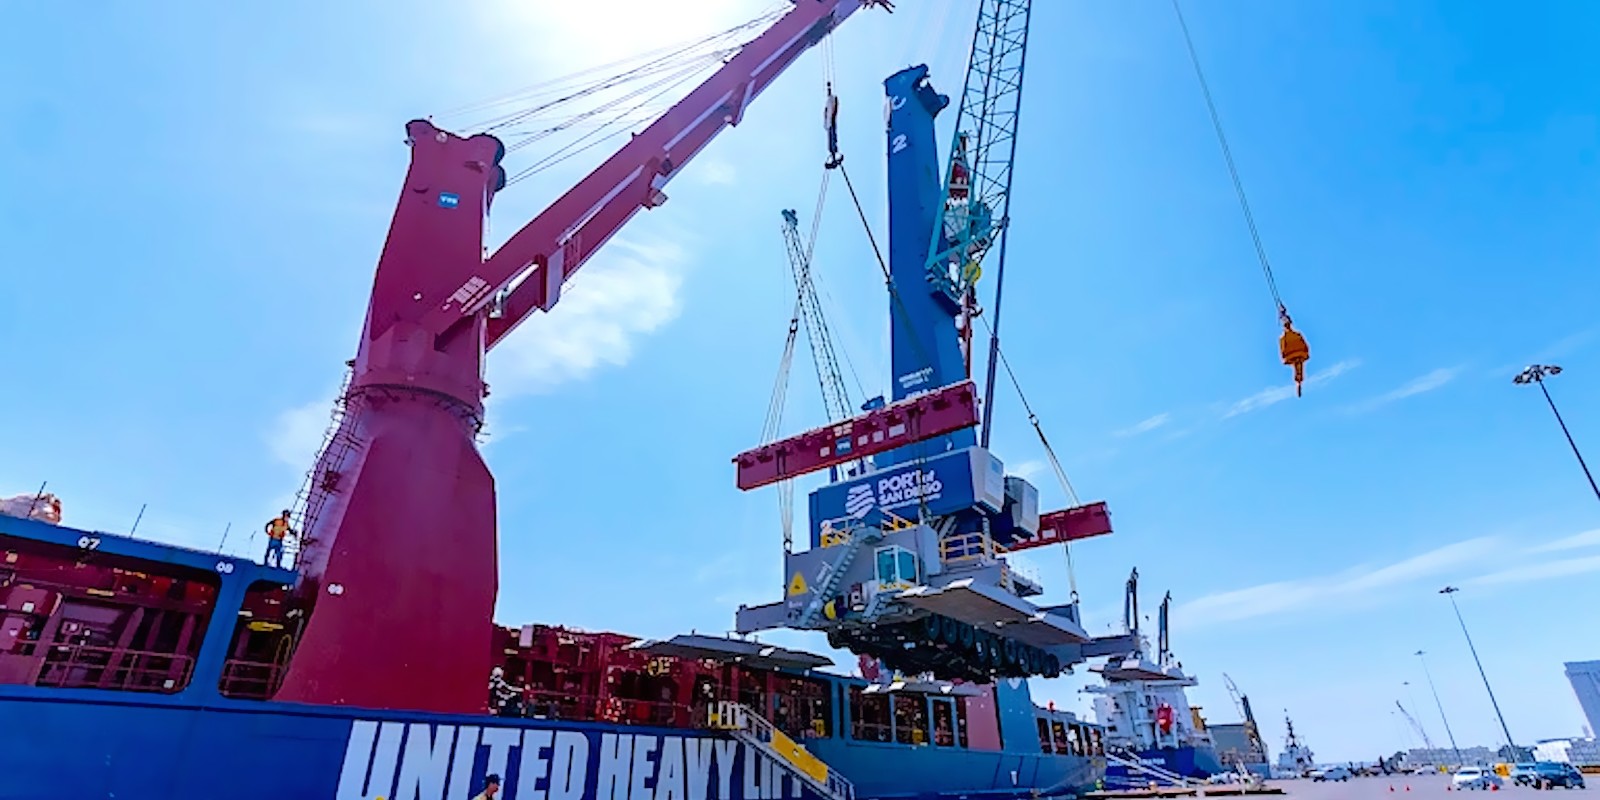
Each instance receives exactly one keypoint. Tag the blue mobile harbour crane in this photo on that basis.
(908, 551)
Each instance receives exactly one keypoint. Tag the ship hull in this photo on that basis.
(1190, 762)
(87, 746)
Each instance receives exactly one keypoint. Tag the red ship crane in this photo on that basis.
(399, 568)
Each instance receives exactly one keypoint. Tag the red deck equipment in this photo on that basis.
(1069, 525)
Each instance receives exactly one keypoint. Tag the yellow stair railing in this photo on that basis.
(746, 724)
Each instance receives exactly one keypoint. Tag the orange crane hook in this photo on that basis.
(1292, 346)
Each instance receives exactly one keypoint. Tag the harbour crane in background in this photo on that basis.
(977, 197)
(1241, 702)
(1415, 725)
(807, 311)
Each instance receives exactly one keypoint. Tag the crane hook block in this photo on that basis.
(1292, 346)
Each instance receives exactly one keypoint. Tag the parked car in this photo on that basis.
(1547, 774)
(1331, 774)
(1475, 778)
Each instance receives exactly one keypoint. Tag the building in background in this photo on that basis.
(1585, 679)
(1446, 756)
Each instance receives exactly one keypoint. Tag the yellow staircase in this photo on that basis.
(751, 728)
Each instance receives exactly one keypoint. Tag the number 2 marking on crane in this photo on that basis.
(897, 144)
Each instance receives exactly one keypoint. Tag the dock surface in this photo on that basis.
(1396, 787)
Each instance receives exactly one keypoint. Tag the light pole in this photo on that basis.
(1536, 374)
(1442, 717)
(1450, 591)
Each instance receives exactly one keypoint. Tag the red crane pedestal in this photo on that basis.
(399, 571)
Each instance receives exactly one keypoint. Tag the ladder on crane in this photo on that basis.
(852, 538)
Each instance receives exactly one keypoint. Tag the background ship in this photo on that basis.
(362, 672)
(1239, 744)
(1296, 760)
(1145, 708)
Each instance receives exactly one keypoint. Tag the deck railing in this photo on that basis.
(83, 666)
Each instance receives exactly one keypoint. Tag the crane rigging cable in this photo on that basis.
(630, 95)
(1292, 345)
(571, 89)
(571, 149)
(1050, 453)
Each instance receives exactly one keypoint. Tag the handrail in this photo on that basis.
(978, 546)
(741, 719)
(554, 704)
(895, 522)
(251, 680)
(84, 666)
(1132, 762)
(833, 537)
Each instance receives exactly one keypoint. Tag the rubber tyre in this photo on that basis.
(950, 632)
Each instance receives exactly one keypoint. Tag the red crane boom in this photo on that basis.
(398, 571)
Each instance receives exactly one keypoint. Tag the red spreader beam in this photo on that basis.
(1068, 525)
(906, 422)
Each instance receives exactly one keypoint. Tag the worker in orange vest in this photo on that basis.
(277, 529)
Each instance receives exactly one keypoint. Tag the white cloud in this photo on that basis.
(1425, 383)
(1573, 542)
(1028, 470)
(1278, 394)
(296, 436)
(715, 173)
(1349, 586)
(629, 290)
(1373, 585)
(1415, 386)
(1543, 570)
(1145, 426)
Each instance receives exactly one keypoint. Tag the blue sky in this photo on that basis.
(196, 197)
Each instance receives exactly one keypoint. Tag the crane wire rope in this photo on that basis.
(527, 138)
(1227, 155)
(664, 68)
(1292, 345)
(650, 58)
(571, 149)
(919, 454)
(687, 68)
(1050, 453)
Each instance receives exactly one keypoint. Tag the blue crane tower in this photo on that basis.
(937, 513)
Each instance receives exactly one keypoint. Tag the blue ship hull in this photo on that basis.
(1190, 762)
(84, 744)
